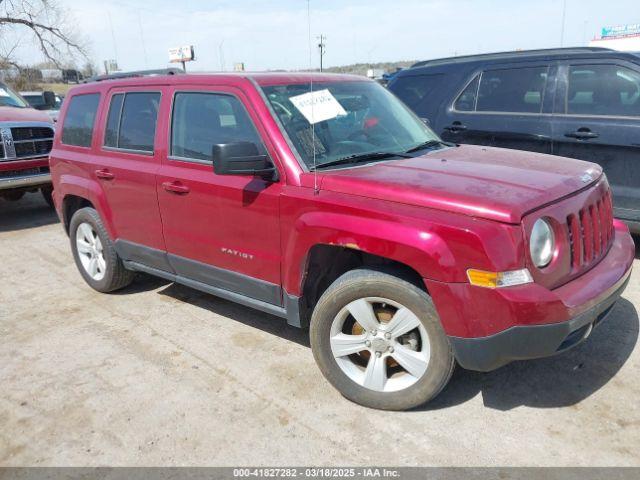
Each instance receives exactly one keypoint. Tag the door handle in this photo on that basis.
(175, 187)
(456, 127)
(582, 134)
(105, 174)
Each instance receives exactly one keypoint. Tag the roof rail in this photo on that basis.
(519, 53)
(136, 73)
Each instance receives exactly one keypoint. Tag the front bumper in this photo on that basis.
(533, 341)
(23, 181)
(489, 328)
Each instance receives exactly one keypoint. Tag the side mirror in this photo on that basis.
(242, 158)
(49, 98)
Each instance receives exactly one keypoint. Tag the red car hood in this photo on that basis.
(13, 114)
(493, 183)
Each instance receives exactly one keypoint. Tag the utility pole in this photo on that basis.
(221, 55)
(564, 13)
(323, 48)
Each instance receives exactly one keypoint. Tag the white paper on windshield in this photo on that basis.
(318, 106)
(3, 92)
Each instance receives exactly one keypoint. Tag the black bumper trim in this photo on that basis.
(532, 341)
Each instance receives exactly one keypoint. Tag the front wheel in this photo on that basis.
(377, 338)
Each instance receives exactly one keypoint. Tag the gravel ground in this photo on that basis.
(159, 374)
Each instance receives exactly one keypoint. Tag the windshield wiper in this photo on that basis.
(428, 144)
(363, 157)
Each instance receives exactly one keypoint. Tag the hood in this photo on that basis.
(13, 114)
(492, 183)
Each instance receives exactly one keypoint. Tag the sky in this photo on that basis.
(275, 34)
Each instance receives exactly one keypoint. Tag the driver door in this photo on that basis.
(220, 230)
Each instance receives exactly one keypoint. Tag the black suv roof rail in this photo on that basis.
(519, 53)
(136, 73)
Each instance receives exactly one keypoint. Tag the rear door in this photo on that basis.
(126, 167)
(597, 118)
(505, 106)
(220, 230)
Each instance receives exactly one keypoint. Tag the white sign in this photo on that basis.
(181, 54)
(318, 106)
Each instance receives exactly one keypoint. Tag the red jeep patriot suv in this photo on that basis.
(26, 137)
(323, 200)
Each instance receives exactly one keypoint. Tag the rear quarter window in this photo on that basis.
(79, 120)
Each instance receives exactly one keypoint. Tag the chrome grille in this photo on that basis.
(23, 141)
(32, 141)
(590, 232)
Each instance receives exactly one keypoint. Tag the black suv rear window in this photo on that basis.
(131, 124)
(79, 120)
(512, 90)
(414, 90)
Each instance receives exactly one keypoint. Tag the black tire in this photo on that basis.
(116, 275)
(13, 195)
(363, 283)
(47, 195)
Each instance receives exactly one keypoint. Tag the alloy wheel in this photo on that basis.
(380, 344)
(90, 251)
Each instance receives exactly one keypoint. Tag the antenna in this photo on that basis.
(313, 123)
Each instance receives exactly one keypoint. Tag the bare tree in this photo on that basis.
(44, 24)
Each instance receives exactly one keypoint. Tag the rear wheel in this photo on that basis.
(377, 338)
(95, 254)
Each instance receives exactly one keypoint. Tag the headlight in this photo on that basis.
(541, 243)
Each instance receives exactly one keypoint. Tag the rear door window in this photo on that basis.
(138, 121)
(201, 120)
(113, 121)
(516, 90)
(79, 120)
(603, 90)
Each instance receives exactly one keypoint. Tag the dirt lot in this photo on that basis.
(163, 375)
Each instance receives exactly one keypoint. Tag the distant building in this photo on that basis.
(625, 38)
(51, 75)
(375, 73)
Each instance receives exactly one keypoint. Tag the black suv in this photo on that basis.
(573, 102)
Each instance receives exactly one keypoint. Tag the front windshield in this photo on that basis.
(358, 118)
(8, 98)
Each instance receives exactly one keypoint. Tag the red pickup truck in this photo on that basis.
(26, 137)
(323, 200)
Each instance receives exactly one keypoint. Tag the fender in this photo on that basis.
(424, 251)
(92, 191)
(426, 243)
